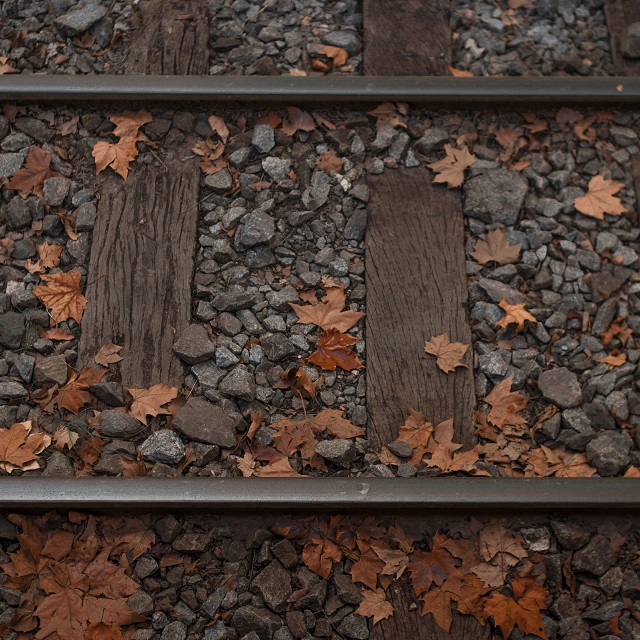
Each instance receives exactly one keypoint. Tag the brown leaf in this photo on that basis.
(65, 437)
(332, 422)
(103, 631)
(496, 249)
(19, 448)
(148, 402)
(437, 602)
(448, 354)
(32, 175)
(218, 126)
(276, 469)
(319, 554)
(375, 605)
(128, 124)
(329, 162)
(5, 67)
(430, 567)
(338, 55)
(416, 431)
(74, 394)
(505, 405)
(49, 255)
(452, 167)
(368, 566)
(62, 295)
(460, 73)
(297, 379)
(55, 334)
(328, 313)
(515, 314)
(600, 198)
(109, 353)
(298, 120)
(614, 360)
(333, 352)
(118, 155)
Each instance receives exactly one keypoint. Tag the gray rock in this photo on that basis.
(631, 41)
(239, 384)
(141, 602)
(493, 364)
(24, 364)
(286, 553)
(8, 416)
(340, 452)
(208, 375)
(498, 291)
(630, 587)
(263, 138)
(277, 347)
(212, 604)
(80, 20)
(86, 215)
(202, 421)
(561, 387)
(495, 196)
(314, 197)
(347, 591)
(219, 631)
(246, 55)
(58, 465)
(597, 557)
(273, 583)
(220, 182)
(118, 424)
(163, 446)
(12, 390)
(264, 622)
(23, 249)
(280, 300)
(259, 228)
(356, 225)
(176, 630)
(235, 299)
(193, 345)
(12, 328)
(277, 168)
(17, 213)
(314, 600)
(50, 371)
(55, 190)
(355, 627)
(433, 138)
(344, 39)
(111, 393)
(225, 358)
(297, 218)
(401, 449)
(605, 316)
(10, 163)
(609, 452)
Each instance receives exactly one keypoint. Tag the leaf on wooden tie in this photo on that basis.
(108, 353)
(600, 198)
(333, 351)
(329, 162)
(448, 354)
(515, 314)
(523, 610)
(430, 567)
(368, 566)
(32, 175)
(614, 360)
(338, 55)
(452, 167)
(297, 120)
(375, 605)
(19, 448)
(74, 395)
(328, 313)
(496, 248)
(437, 602)
(118, 155)
(505, 405)
(416, 431)
(218, 126)
(62, 295)
(297, 379)
(148, 402)
(128, 124)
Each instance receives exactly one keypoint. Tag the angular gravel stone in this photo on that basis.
(10, 163)
(55, 190)
(118, 424)
(277, 346)
(163, 446)
(50, 371)
(277, 168)
(17, 213)
(314, 197)
(347, 40)
(280, 300)
(356, 226)
(596, 558)
(239, 384)
(433, 139)
(274, 585)
(110, 393)
(340, 452)
(264, 622)
(202, 421)
(194, 345)
(208, 375)
(263, 138)
(609, 452)
(355, 627)
(561, 387)
(259, 228)
(220, 181)
(78, 21)
(235, 299)
(495, 196)
(86, 215)
(141, 602)
(12, 390)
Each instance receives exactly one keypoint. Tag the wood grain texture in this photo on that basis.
(620, 14)
(408, 38)
(170, 38)
(144, 241)
(416, 289)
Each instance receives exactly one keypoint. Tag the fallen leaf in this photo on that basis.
(329, 162)
(375, 605)
(451, 168)
(600, 198)
(515, 314)
(328, 314)
(74, 395)
(496, 249)
(297, 120)
(319, 554)
(614, 360)
(118, 155)
(430, 567)
(62, 295)
(5, 67)
(148, 402)
(218, 126)
(48, 258)
(332, 351)
(103, 631)
(448, 354)
(108, 353)
(64, 437)
(416, 431)
(437, 602)
(332, 422)
(460, 73)
(128, 124)
(297, 379)
(338, 55)
(55, 334)
(277, 469)
(505, 405)
(19, 448)
(32, 175)
(534, 123)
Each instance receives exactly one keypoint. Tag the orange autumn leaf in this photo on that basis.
(5, 67)
(375, 605)
(55, 334)
(108, 353)
(32, 175)
(128, 124)
(117, 155)
(103, 631)
(297, 379)
(333, 351)
(496, 249)
(328, 313)
(460, 73)
(148, 402)
(505, 405)
(319, 554)
(430, 567)
(73, 395)
(329, 162)
(416, 431)
(448, 354)
(600, 198)
(62, 295)
(19, 448)
(437, 602)
(297, 120)
(614, 360)
(49, 254)
(338, 55)
(452, 167)
(515, 314)
(218, 126)
(276, 469)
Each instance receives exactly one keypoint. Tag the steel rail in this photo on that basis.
(507, 92)
(246, 496)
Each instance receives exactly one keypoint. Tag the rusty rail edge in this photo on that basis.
(247, 496)
(507, 92)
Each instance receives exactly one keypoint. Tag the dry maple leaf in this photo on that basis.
(430, 567)
(416, 431)
(600, 198)
(5, 67)
(298, 120)
(276, 469)
(103, 631)
(329, 162)
(460, 73)
(19, 448)
(333, 351)
(496, 249)
(32, 175)
(118, 155)
(128, 124)
(65, 437)
(338, 55)
(319, 554)
(55, 334)
(48, 258)
(218, 126)
(331, 421)
(515, 314)
(368, 566)
(62, 295)
(74, 395)
(148, 402)
(614, 360)
(448, 354)
(297, 379)
(451, 168)
(108, 353)
(375, 605)
(505, 405)
(328, 313)
(523, 610)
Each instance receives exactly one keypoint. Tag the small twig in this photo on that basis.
(104, 275)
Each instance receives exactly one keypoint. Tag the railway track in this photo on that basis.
(536, 514)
